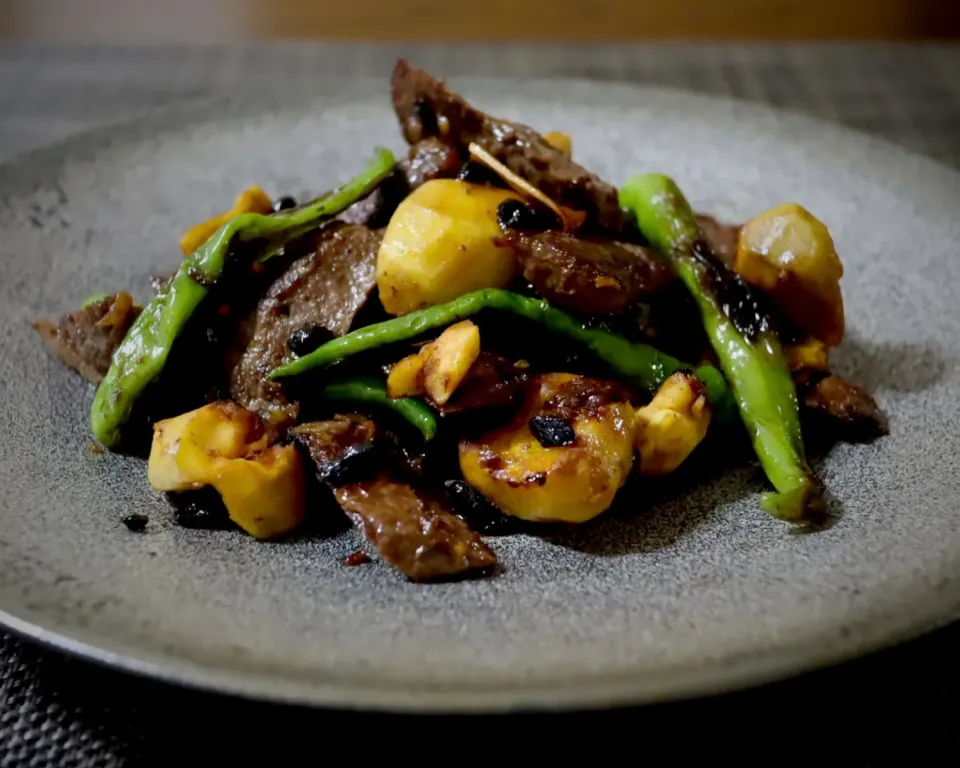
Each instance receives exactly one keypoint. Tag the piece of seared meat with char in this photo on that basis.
(324, 289)
(343, 449)
(414, 531)
(836, 409)
(86, 339)
(588, 275)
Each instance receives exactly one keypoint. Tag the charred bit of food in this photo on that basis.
(477, 173)
(284, 203)
(201, 509)
(137, 522)
(516, 215)
(476, 511)
(552, 431)
(304, 340)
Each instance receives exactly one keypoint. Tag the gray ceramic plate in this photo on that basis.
(685, 595)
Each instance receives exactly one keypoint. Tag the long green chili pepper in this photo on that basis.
(369, 390)
(143, 353)
(748, 349)
(643, 364)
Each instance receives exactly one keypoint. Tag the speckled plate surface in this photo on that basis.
(684, 595)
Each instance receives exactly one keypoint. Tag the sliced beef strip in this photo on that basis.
(589, 275)
(414, 532)
(325, 288)
(343, 449)
(426, 107)
(350, 448)
(86, 339)
(840, 409)
(426, 160)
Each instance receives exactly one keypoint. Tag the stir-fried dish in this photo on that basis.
(481, 338)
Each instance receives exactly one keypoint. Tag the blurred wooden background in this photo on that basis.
(176, 21)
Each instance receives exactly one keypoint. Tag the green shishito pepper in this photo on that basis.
(639, 363)
(373, 392)
(144, 351)
(750, 357)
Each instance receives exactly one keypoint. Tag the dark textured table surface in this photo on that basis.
(898, 707)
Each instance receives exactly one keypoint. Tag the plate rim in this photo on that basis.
(746, 672)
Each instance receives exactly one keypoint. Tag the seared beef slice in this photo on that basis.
(324, 288)
(414, 533)
(589, 275)
(841, 409)
(339, 448)
(86, 339)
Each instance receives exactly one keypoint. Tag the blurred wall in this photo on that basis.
(173, 21)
